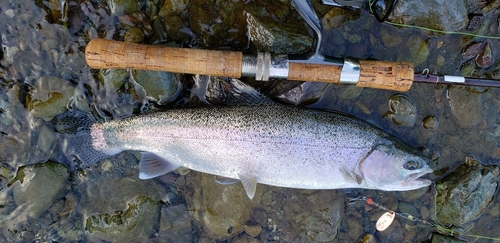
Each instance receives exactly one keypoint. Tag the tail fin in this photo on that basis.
(75, 147)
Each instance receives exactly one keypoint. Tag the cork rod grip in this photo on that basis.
(397, 76)
(107, 54)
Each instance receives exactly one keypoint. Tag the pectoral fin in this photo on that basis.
(225, 180)
(249, 183)
(350, 175)
(152, 165)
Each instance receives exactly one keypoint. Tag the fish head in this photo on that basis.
(395, 168)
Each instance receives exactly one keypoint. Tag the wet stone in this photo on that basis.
(116, 201)
(128, 225)
(221, 210)
(50, 97)
(134, 35)
(173, 7)
(319, 223)
(417, 50)
(351, 92)
(466, 105)
(38, 186)
(485, 58)
(335, 17)
(430, 122)
(402, 110)
(163, 87)
(406, 207)
(270, 38)
(465, 193)
(175, 224)
(368, 239)
(448, 17)
(471, 51)
(354, 228)
(121, 7)
(305, 93)
(245, 239)
(253, 229)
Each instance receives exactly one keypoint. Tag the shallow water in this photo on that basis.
(43, 71)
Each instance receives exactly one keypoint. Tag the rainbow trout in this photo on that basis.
(269, 143)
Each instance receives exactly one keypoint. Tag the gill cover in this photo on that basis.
(389, 168)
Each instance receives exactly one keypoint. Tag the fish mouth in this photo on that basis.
(415, 180)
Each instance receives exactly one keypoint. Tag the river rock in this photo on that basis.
(118, 206)
(50, 97)
(464, 194)
(175, 224)
(466, 105)
(266, 36)
(220, 210)
(40, 186)
(162, 87)
(173, 7)
(402, 110)
(129, 225)
(435, 14)
(317, 216)
(304, 94)
(121, 7)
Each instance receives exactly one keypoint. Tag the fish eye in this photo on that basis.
(411, 165)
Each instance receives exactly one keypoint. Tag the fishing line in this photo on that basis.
(371, 3)
(441, 229)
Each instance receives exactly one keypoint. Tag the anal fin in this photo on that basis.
(152, 165)
(249, 183)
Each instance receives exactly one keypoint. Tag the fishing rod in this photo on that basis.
(315, 67)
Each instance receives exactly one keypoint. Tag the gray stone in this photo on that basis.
(270, 38)
(435, 14)
(221, 210)
(465, 193)
(402, 110)
(466, 105)
(41, 185)
(304, 94)
(175, 224)
(162, 87)
(129, 225)
(50, 97)
(119, 206)
(317, 223)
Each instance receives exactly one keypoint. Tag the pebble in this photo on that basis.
(466, 105)
(430, 122)
(175, 224)
(402, 110)
(369, 238)
(424, 212)
(485, 58)
(471, 51)
(253, 230)
(355, 228)
(134, 35)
